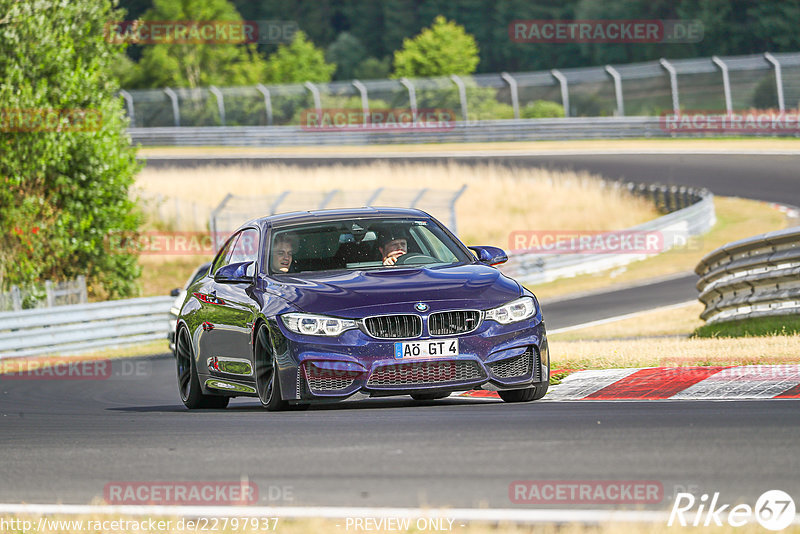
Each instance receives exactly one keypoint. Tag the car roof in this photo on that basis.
(333, 214)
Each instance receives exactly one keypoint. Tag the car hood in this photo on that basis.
(359, 293)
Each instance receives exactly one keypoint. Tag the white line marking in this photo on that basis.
(330, 512)
(620, 317)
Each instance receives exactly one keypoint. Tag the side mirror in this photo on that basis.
(490, 255)
(175, 292)
(234, 273)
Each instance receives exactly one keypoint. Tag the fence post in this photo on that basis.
(51, 297)
(726, 82)
(562, 80)
(374, 196)
(673, 84)
(778, 78)
(274, 208)
(462, 94)
(418, 197)
(364, 99)
(82, 292)
(220, 103)
(512, 86)
(614, 73)
(212, 220)
(412, 96)
(327, 199)
(176, 112)
(453, 207)
(315, 93)
(267, 102)
(129, 103)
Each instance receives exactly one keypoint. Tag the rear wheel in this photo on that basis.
(267, 384)
(188, 382)
(533, 393)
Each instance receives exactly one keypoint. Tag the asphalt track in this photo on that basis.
(64, 440)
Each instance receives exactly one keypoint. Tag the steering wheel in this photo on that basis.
(416, 257)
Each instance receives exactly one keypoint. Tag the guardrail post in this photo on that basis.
(129, 104)
(462, 94)
(778, 78)
(220, 103)
(83, 296)
(614, 73)
(315, 93)
(673, 84)
(412, 96)
(267, 102)
(364, 99)
(562, 80)
(176, 112)
(512, 86)
(50, 292)
(726, 82)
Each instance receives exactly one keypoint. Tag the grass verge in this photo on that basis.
(736, 218)
(760, 326)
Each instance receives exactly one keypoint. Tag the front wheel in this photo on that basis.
(188, 382)
(532, 393)
(268, 386)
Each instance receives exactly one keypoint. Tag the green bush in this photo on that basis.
(64, 185)
(541, 109)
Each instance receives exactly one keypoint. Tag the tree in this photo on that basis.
(347, 53)
(64, 183)
(443, 49)
(197, 64)
(298, 62)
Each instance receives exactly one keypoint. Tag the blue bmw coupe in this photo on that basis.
(318, 306)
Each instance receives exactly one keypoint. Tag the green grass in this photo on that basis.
(760, 326)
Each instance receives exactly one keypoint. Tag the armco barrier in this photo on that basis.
(691, 214)
(463, 132)
(83, 326)
(753, 277)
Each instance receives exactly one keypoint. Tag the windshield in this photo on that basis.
(358, 244)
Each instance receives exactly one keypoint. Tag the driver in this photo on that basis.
(392, 243)
(282, 253)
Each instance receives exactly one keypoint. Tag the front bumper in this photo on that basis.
(493, 357)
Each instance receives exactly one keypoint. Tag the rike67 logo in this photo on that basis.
(774, 510)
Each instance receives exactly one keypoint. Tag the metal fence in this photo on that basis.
(637, 89)
(47, 296)
(754, 277)
(84, 326)
(690, 212)
(234, 210)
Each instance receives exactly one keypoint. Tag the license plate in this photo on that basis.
(425, 349)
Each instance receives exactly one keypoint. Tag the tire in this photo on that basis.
(268, 386)
(188, 383)
(532, 393)
(429, 396)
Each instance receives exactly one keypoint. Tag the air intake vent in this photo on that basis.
(453, 322)
(393, 326)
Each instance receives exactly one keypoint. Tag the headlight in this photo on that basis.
(514, 311)
(316, 325)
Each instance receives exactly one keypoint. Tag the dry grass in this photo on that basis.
(673, 352)
(303, 526)
(497, 199)
(668, 322)
(736, 218)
